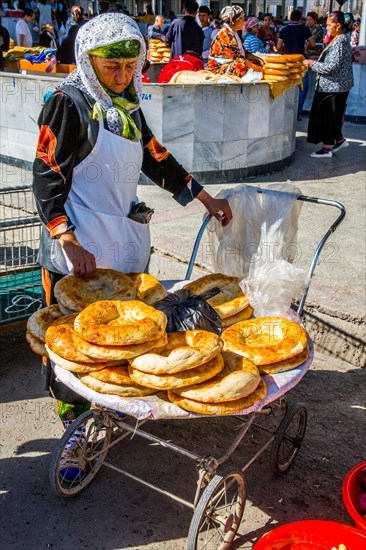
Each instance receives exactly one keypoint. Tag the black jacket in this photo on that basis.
(185, 35)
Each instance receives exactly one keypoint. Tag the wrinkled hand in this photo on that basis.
(308, 63)
(218, 208)
(83, 261)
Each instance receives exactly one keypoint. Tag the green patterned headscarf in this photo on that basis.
(126, 49)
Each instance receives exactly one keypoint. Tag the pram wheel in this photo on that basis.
(218, 514)
(75, 463)
(288, 438)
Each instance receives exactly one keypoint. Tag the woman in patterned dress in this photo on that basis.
(227, 54)
(333, 83)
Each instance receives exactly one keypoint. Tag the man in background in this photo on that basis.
(184, 34)
(203, 16)
(22, 32)
(156, 30)
(4, 44)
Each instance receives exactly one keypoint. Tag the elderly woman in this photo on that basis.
(93, 142)
(333, 83)
(227, 54)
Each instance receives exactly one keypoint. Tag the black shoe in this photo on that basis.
(339, 146)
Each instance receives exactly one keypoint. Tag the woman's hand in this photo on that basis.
(308, 63)
(218, 208)
(83, 261)
(254, 59)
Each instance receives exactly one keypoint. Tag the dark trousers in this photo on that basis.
(326, 117)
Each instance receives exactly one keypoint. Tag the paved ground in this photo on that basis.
(115, 513)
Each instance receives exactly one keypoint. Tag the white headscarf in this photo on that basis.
(104, 30)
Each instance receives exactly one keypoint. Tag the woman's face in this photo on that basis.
(333, 28)
(267, 21)
(255, 29)
(310, 21)
(114, 74)
(238, 24)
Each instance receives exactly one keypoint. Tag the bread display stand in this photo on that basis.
(220, 496)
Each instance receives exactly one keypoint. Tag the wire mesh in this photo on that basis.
(20, 276)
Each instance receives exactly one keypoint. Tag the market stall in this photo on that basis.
(222, 132)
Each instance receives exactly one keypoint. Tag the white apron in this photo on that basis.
(103, 188)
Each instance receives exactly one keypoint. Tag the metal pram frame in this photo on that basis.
(219, 501)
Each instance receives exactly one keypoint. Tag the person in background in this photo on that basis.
(292, 39)
(349, 21)
(22, 32)
(216, 24)
(156, 31)
(184, 34)
(45, 22)
(171, 15)
(61, 13)
(355, 34)
(4, 44)
(203, 16)
(267, 33)
(227, 54)
(334, 81)
(317, 33)
(66, 51)
(251, 41)
(94, 119)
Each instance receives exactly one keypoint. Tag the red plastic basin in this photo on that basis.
(350, 490)
(312, 535)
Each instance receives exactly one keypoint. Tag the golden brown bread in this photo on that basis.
(148, 289)
(265, 340)
(219, 409)
(75, 293)
(286, 364)
(35, 344)
(116, 381)
(184, 350)
(60, 339)
(120, 323)
(229, 301)
(241, 316)
(39, 322)
(74, 366)
(239, 378)
(108, 353)
(178, 379)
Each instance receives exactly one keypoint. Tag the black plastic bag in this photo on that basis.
(188, 311)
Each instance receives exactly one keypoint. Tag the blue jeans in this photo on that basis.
(303, 93)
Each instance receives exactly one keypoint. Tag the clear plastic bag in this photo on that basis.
(260, 244)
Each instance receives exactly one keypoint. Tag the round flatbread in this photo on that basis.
(266, 340)
(286, 364)
(239, 378)
(39, 322)
(109, 353)
(275, 59)
(178, 379)
(219, 409)
(115, 381)
(241, 316)
(184, 350)
(229, 301)
(60, 339)
(35, 344)
(148, 289)
(74, 366)
(120, 323)
(75, 293)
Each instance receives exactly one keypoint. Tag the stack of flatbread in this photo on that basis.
(37, 326)
(159, 51)
(279, 68)
(274, 344)
(105, 333)
(231, 304)
(236, 387)
(73, 294)
(188, 358)
(202, 77)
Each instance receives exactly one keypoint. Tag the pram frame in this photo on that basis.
(214, 482)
